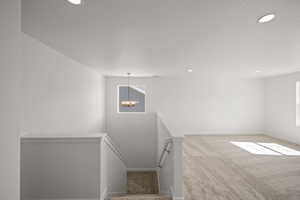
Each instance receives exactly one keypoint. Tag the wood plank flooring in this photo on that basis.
(215, 169)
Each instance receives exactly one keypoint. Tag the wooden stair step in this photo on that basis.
(142, 197)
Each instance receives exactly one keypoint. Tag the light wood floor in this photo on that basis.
(215, 169)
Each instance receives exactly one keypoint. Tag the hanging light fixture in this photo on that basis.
(128, 102)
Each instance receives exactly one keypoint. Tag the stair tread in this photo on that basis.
(142, 182)
(141, 197)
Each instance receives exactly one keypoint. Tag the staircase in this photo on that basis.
(142, 186)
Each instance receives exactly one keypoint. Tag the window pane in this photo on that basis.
(136, 94)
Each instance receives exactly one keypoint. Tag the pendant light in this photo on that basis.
(128, 102)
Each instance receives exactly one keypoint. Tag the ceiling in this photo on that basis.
(165, 37)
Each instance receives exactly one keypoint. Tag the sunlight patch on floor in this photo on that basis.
(261, 148)
(254, 148)
(281, 149)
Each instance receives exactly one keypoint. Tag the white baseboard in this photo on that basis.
(224, 133)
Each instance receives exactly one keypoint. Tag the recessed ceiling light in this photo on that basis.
(189, 70)
(266, 18)
(257, 71)
(74, 2)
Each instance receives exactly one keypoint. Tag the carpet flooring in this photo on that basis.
(216, 169)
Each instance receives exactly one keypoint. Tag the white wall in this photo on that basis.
(280, 102)
(86, 166)
(113, 172)
(60, 168)
(10, 75)
(59, 94)
(166, 175)
(134, 133)
(163, 134)
(210, 104)
(171, 171)
(166, 178)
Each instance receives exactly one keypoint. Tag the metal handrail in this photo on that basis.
(166, 151)
(114, 148)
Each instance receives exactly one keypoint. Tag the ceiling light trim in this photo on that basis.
(266, 18)
(75, 2)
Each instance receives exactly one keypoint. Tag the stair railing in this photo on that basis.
(170, 162)
(165, 152)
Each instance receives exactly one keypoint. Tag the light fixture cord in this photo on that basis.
(128, 93)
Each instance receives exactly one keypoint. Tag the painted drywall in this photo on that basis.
(10, 75)
(171, 164)
(280, 107)
(113, 172)
(59, 94)
(177, 189)
(134, 133)
(163, 134)
(207, 104)
(210, 104)
(166, 37)
(64, 168)
(166, 178)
